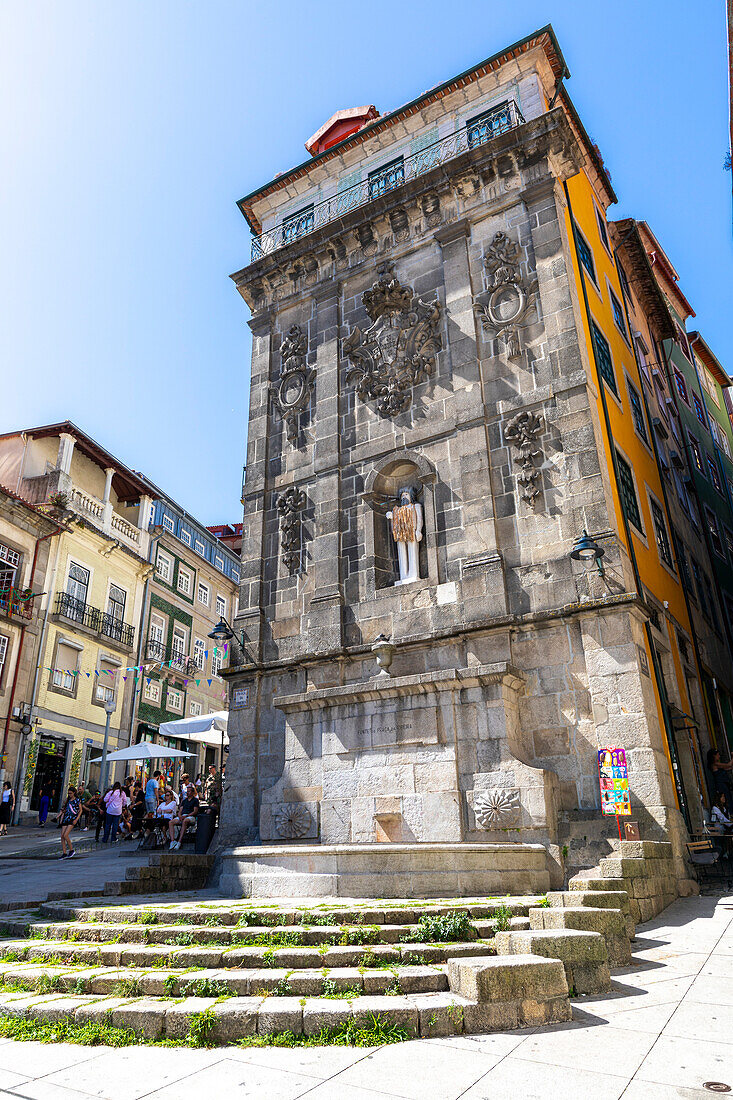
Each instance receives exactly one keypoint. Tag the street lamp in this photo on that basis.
(587, 549)
(223, 633)
(109, 708)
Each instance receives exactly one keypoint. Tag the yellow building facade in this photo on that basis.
(89, 611)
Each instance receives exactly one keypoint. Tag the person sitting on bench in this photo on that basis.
(187, 812)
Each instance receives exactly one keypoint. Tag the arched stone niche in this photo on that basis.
(381, 487)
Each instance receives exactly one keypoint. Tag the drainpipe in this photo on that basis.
(658, 679)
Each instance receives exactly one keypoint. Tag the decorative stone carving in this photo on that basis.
(290, 505)
(502, 309)
(522, 430)
(398, 349)
(292, 391)
(431, 209)
(493, 809)
(399, 224)
(292, 820)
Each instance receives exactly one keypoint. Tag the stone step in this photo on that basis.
(610, 923)
(124, 982)
(583, 954)
(590, 881)
(517, 991)
(245, 957)
(595, 899)
(275, 915)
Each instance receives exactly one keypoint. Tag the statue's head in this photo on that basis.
(406, 495)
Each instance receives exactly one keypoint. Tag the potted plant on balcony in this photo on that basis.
(59, 503)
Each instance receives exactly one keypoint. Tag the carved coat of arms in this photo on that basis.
(398, 349)
(292, 392)
(502, 309)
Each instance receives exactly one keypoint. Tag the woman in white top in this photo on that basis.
(168, 806)
(719, 815)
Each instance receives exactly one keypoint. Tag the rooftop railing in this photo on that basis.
(481, 130)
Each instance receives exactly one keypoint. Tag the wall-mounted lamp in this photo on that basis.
(222, 633)
(587, 549)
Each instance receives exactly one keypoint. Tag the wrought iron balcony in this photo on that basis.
(14, 601)
(93, 618)
(483, 129)
(157, 651)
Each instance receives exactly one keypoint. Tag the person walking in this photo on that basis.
(44, 804)
(70, 815)
(151, 793)
(114, 801)
(7, 805)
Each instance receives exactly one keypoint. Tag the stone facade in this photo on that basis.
(512, 665)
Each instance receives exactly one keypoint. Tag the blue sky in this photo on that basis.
(130, 129)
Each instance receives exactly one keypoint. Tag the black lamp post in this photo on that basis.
(587, 549)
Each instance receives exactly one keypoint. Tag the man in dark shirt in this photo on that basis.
(187, 812)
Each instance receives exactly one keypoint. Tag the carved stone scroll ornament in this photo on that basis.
(290, 505)
(292, 391)
(521, 431)
(398, 349)
(502, 309)
(493, 809)
(293, 820)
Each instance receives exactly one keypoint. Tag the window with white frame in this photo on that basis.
(174, 699)
(3, 654)
(104, 689)
(164, 566)
(200, 547)
(219, 562)
(204, 594)
(152, 514)
(168, 523)
(152, 691)
(116, 602)
(217, 660)
(185, 580)
(179, 642)
(185, 537)
(66, 666)
(235, 575)
(221, 607)
(194, 709)
(199, 653)
(9, 562)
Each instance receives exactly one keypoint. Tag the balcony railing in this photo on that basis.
(157, 651)
(94, 619)
(476, 133)
(13, 601)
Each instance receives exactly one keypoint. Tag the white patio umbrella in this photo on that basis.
(146, 750)
(207, 728)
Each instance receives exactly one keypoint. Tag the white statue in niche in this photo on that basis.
(406, 520)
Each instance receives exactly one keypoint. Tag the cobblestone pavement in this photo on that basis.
(664, 1030)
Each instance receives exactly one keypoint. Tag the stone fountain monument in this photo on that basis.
(425, 674)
